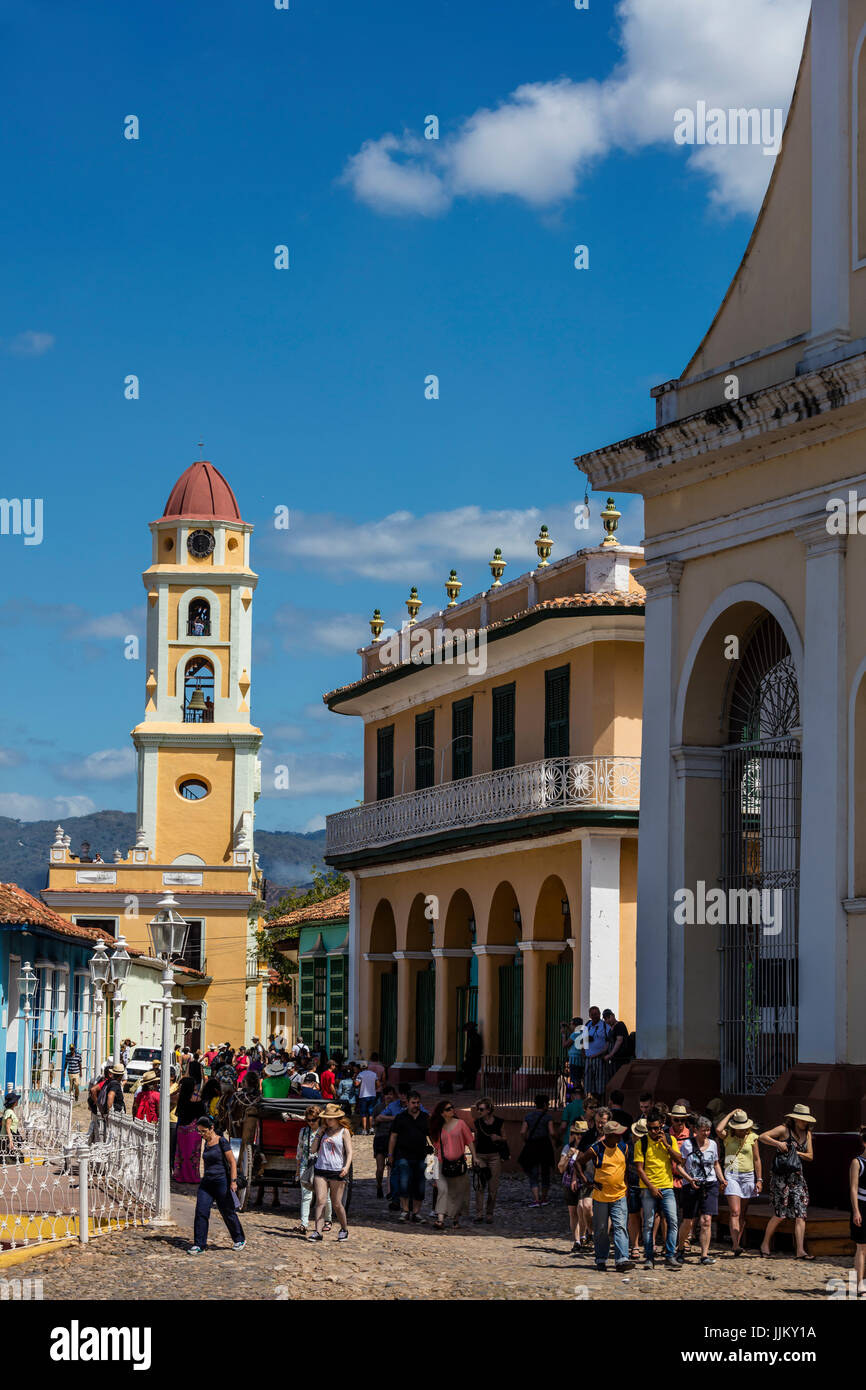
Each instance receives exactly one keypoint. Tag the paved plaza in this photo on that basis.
(524, 1255)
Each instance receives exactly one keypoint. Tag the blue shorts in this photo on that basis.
(366, 1106)
(407, 1178)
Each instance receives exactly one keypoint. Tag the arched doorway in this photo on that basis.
(760, 863)
(383, 983)
(552, 923)
(504, 930)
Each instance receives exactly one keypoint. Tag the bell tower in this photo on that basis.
(198, 771)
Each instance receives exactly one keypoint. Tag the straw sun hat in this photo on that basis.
(740, 1122)
(801, 1112)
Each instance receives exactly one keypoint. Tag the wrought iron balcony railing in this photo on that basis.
(551, 784)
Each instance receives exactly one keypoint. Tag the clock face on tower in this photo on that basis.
(200, 544)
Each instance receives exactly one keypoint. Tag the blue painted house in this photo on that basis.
(59, 953)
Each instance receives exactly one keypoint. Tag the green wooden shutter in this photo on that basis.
(461, 739)
(511, 1009)
(425, 1016)
(557, 1008)
(503, 726)
(556, 694)
(425, 756)
(337, 1020)
(387, 1048)
(384, 763)
(306, 1001)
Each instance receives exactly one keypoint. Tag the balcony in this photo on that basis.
(533, 789)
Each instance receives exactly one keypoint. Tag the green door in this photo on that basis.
(387, 1048)
(557, 1008)
(511, 1009)
(338, 1023)
(425, 1015)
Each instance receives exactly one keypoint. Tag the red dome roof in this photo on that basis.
(202, 493)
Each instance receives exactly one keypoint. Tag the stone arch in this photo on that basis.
(383, 928)
(736, 825)
(549, 922)
(500, 928)
(419, 927)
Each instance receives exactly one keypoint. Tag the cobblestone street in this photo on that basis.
(524, 1255)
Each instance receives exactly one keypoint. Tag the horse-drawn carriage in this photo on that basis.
(267, 1148)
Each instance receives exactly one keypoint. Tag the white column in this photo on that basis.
(831, 214)
(658, 987)
(599, 921)
(46, 995)
(354, 961)
(823, 994)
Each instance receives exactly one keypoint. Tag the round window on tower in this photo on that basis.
(192, 789)
(200, 544)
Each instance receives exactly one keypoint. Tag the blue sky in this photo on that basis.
(408, 257)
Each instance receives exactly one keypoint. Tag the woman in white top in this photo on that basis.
(331, 1151)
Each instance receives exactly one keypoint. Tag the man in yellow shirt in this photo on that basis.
(655, 1158)
(611, 1156)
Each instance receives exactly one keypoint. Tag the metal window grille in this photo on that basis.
(425, 754)
(461, 739)
(761, 775)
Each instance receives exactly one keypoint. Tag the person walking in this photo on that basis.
(491, 1151)
(73, 1072)
(536, 1158)
(741, 1160)
(789, 1193)
(146, 1104)
(219, 1183)
(332, 1150)
(700, 1202)
(387, 1106)
(408, 1143)
(346, 1090)
(367, 1082)
(632, 1194)
(572, 1183)
(574, 1110)
(857, 1194)
(306, 1167)
(451, 1137)
(9, 1126)
(656, 1158)
(610, 1158)
(187, 1152)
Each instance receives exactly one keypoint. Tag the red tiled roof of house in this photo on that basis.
(635, 598)
(328, 910)
(19, 906)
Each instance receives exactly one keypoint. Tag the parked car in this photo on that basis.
(142, 1060)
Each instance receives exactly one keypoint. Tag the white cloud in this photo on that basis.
(336, 774)
(10, 757)
(318, 629)
(107, 765)
(314, 823)
(540, 140)
(30, 343)
(410, 549)
(22, 807)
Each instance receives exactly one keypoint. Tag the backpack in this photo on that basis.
(102, 1097)
(628, 1050)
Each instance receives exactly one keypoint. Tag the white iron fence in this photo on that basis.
(55, 1184)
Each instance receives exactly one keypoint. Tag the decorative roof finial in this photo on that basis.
(610, 520)
(413, 604)
(376, 624)
(497, 568)
(453, 585)
(543, 545)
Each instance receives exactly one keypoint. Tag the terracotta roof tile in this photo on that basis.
(19, 906)
(203, 494)
(328, 910)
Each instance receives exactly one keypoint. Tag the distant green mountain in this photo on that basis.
(286, 856)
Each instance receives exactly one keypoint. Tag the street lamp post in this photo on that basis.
(120, 966)
(26, 986)
(168, 932)
(100, 967)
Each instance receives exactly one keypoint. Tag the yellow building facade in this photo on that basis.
(493, 863)
(755, 505)
(198, 769)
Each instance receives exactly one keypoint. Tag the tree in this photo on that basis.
(325, 885)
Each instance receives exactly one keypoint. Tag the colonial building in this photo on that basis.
(316, 937)
(754, 695)
(493, 862)
(198, 771)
